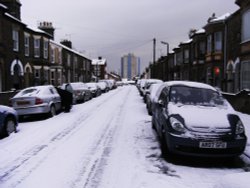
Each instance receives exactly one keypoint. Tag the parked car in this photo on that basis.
(151, 96)
(80, 91)
(108, 83)
(94, 88)
(147, 85)
(8, 121)
(194, 119)
(103, 86)
(37, 100)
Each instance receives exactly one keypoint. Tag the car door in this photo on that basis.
(55, 98)
(162, 111)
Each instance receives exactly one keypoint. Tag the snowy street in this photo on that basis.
(106, 142)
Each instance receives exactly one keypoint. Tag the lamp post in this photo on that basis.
(166, 43)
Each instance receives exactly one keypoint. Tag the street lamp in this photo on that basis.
(165, 43)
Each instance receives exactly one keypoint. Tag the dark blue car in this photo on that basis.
(8, 121)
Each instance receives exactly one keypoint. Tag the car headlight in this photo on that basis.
(177, 125)
(239, 128)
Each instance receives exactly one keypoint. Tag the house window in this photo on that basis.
(246, 26)
(68, 60)
(46, 76)
(37, 47)
(26, 45)
(45, 49)
(52, 77)
(59, 77)
(60, 57)
(202, 48)
(15, 37)
(209, 43)
(37, 73)
(218, 41)
(186, 55)
(52, 54)
(245, 76)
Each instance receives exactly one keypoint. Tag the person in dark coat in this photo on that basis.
(66, 99)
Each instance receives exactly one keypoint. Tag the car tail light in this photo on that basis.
(38, 101)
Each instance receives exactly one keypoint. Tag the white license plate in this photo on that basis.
(217, 145)
(23, 103)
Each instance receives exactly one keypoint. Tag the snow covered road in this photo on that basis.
(106, 142)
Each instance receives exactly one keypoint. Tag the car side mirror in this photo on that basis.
(161, 103)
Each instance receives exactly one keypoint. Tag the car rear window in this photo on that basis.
(28, 92)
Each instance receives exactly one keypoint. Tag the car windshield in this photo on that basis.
(196, 96)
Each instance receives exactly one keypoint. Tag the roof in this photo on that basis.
(186, 42)
(69, 49)
(99, 61)
(221, 18)
(3, 6)
(200, 31)
(37, 30)
(14, 18)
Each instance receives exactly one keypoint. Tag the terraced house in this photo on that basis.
(217, 54)
(30, 56)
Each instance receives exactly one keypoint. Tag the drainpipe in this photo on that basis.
(225, 53)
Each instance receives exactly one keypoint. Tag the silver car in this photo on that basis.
(37, 100)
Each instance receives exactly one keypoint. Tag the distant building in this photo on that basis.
(99, 68)
(130, 66)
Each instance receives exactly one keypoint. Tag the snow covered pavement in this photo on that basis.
(106, 142)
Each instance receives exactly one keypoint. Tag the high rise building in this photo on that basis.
(130, 66)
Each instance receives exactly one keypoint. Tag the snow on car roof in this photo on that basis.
(35, 90)
(190, 84)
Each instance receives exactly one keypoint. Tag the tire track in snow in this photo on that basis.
(93, 166)
(41, 152)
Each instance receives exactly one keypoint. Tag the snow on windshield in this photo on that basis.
(196, 96)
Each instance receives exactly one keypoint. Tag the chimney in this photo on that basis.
(67, 43)
(47, 27)
(14, 7)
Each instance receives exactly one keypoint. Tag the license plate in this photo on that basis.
(23, 102)
(217, 145)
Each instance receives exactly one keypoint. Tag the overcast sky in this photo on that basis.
(113, 28)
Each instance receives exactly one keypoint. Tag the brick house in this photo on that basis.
(30, 56)
(22, 49)
(219, 53)
(245, 43)
(198, 50)
(185, 58)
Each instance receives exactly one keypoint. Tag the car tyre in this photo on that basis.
(52, 111)
(164, 146)
(10, 126)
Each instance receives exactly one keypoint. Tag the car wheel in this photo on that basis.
(164, 146)
(52, 112)
(10, 126)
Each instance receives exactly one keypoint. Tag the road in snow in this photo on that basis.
(106, 142)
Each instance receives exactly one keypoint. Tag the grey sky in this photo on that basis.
(112, 28)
